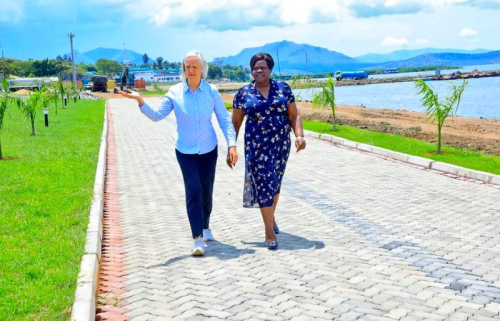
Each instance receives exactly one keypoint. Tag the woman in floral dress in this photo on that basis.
(271, 113)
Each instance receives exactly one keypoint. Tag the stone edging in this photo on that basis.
(84, 306)
(415, 160)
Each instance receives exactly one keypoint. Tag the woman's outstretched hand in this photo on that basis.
(232, 157)
(133, 95)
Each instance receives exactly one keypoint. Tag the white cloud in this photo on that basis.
(11, 11)
(223, 15)
(466, 32)
(394, 42)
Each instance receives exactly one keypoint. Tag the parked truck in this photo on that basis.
(99, 83)
(355, 75)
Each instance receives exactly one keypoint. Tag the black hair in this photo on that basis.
(262, 56)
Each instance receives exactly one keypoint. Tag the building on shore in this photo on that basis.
(150, 75)
(168, 75)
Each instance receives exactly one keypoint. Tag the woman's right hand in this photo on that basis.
(133, 95)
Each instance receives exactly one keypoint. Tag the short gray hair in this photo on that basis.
(203, 63)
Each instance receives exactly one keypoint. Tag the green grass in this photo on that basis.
(46, 188)
(158, 93)
(460, 157)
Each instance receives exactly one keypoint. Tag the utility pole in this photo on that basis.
(71, 36)
(307, 67)
(279, 67)
(3, 63)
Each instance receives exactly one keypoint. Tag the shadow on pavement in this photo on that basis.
(290, 242)
(216, 249)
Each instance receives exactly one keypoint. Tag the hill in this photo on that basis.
(294, 58)
(90, 57)
(408, 54)
(447, 59)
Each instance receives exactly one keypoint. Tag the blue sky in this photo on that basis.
(170, 28)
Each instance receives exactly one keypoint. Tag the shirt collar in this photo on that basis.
(186, 87)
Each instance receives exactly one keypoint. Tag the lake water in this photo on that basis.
(481, 97)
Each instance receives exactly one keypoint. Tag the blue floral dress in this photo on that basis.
(267, 141)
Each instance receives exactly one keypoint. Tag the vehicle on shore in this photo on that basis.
(99, 83)
(390, 71)
(354, 75)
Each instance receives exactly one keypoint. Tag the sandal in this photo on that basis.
(273, 245)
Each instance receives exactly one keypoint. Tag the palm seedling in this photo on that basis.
(439, 110)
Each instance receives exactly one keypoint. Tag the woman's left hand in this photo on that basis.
(232, 156)
(300, 143)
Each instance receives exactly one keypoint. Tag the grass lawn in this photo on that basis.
(464, 158)
(46, 188)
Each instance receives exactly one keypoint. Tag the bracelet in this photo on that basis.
(300, 137)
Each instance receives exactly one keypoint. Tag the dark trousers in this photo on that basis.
(198, 172)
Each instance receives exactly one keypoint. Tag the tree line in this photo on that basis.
(62, 67)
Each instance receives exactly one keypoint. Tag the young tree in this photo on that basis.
(439, 110)
(29, 107)
(62, 91)
(45, 97)
(53, 95)
(321, 98)
(326, 97)
(72, 92)
(157, 88)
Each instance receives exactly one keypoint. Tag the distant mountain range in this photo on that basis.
(90, 57)
(301, 58)
(408, 54)
(292, 58)
(447, 59)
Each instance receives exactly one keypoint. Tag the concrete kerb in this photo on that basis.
(84, 305)
(415, 160)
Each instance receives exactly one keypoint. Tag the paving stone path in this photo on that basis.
(363, 238)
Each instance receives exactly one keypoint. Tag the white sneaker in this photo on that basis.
(198, 247)
(207, 235)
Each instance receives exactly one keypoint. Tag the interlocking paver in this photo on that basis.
(363, 237)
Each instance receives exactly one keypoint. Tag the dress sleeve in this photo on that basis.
(238, 102)
(287, 91)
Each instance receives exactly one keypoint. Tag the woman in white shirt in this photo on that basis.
(194, 101)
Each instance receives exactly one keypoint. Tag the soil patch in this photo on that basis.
(22, 92)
